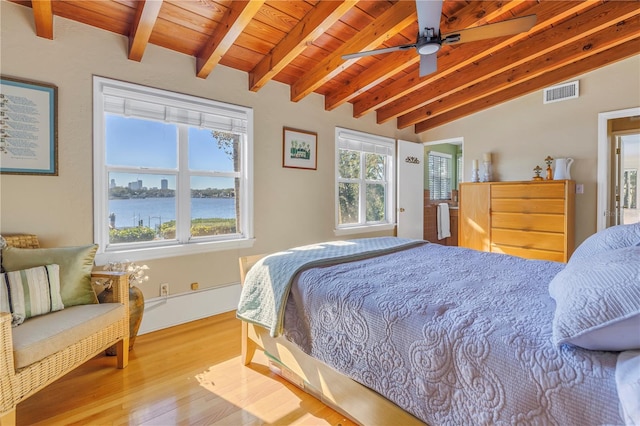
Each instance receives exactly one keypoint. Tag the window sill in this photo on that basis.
(149, 253)
(364, 229)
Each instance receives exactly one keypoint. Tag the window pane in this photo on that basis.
(375, 203)
(213, 206)
(349, 202)
(439, 177)
(375, 166)
(349, 164)
(142, 207)
(213, 150)
(140, 143)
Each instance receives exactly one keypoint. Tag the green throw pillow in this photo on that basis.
(30, 292)
(75, 263)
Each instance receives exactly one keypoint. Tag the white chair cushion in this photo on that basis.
(42, 336)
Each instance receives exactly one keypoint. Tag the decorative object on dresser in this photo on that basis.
(534, 220)
(537, 170)
(549, 160)
(488, 172)
(563, 168)
(475, 173)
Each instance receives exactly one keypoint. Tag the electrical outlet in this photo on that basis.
(164, 289)
(579, 188)
(194, 286)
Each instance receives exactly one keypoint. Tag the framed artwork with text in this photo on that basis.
(28, 127)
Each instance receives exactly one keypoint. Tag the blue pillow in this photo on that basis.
(612, 238)
(598, 301)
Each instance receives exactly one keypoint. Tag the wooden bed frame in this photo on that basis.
(355, 401)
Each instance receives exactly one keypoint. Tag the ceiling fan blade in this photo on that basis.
(508, 27)
(378, 51)
(428, 64)
(429, 14)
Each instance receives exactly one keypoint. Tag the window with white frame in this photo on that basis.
(364, 181)
(172, 173)
(440, 175)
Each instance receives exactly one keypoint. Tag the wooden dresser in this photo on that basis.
(534, 220)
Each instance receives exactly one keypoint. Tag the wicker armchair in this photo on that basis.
(17, 384)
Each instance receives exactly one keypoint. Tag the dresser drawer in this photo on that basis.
(555, 256)
(527, 205)
(529, 190)
(528, 222)
(528, 239)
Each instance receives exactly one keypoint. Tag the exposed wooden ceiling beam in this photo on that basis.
(467, 17)
(391, 22)
(235, 21)
(450, 62)
(146, 15)
(596, 43)
(603, 58)
(569, 33)
(313, 25)
(43, 17)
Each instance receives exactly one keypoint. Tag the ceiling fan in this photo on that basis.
(430, 39)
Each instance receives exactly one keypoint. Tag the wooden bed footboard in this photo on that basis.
(355, 401)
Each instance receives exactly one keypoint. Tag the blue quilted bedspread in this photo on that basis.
(453, 336)
(267, 284)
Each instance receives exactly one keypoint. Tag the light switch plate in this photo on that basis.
(579, 188)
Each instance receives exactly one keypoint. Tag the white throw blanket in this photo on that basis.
(266, 287)
(444, 229)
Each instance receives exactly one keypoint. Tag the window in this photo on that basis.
(439, 175)
(364, 181)
(172, 173)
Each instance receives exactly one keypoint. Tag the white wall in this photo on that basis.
(522, 132)
(292, 206)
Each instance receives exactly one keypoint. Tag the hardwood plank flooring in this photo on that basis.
(190, 374)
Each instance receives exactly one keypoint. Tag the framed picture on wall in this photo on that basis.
(28, 127)
(299, 149)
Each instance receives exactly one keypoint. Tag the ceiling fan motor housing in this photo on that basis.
(429, 43)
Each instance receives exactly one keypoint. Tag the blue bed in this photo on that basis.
(456, 336)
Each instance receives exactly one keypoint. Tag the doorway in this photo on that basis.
(627, 163)
(618, 166)
(442, 175)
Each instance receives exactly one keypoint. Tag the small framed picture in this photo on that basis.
(299, 149)
(28, 127)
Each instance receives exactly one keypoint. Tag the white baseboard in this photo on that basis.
(164, 312)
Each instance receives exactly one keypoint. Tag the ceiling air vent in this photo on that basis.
(561, 92)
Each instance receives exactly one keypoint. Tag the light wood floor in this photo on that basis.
(189, 375)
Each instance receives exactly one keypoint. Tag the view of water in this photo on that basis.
(152, 211)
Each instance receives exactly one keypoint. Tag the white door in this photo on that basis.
(410, 203)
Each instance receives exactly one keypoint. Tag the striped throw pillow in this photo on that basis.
(30, 292)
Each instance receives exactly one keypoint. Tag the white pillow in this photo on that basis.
(30, 292)
(612, 238)
(598, 301)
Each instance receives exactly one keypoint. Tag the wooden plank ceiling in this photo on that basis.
(300, 43)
